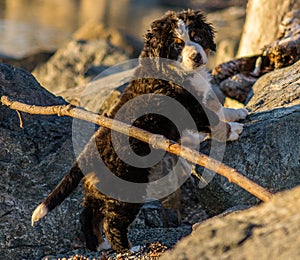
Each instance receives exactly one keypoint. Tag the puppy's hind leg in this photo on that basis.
(91, 220)
(117, 221)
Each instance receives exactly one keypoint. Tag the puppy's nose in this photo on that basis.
(198, 59)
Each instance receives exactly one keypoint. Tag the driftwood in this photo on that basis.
(157, 141)
(237, 76)
(286, 50)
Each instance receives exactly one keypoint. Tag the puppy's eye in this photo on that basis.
(178, 41)
(193, 33)
(197, 39)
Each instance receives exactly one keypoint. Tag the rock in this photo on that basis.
(260, 28)
(154, 215)
(213, 5)
(276, 89)
(30, 61)
(267, 152)
(268, 231)
(94, 48)
(228, 24)
(150, 215)
(68, 66)
(32, 161)
(238, 87)
(236, 77)
(122, 40)
(226, 50)
(286, 50)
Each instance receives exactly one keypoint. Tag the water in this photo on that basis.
(27, 26)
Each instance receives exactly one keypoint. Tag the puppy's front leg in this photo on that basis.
(225, 114)
(233, 115)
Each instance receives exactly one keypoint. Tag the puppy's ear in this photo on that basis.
(207, 30)
(212, 46)
(211, 37)
(151, 44)
(158, 36)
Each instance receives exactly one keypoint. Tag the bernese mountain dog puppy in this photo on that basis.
(185, 38)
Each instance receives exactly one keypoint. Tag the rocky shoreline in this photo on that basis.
(34, 158)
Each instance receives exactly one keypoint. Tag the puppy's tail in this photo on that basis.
(57, 196)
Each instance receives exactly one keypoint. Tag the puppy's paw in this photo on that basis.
(232, 115)
(103, 246)
(135, 249)
(235, 131)
(192, 138)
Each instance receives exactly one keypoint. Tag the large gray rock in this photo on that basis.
(32, 161)
(279, 88)
(260, 28)
(68, 67)
(267, 152)
(228, 24)
(30, 61)
(119, 38)
(269, 231)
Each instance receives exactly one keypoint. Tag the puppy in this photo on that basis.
(185, 39)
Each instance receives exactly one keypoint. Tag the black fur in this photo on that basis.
(116, 215)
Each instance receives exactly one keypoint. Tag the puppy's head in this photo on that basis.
(184, 37)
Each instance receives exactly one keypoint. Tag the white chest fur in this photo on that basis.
(200, 83)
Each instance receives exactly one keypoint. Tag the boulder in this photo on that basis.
(30, 61)
(260, 28)
(237, 76)
(213, 5)
(67, 68)
(228, 23)
(267, 152)
(277, 89)
(268, 231)
(33, 159)
(94, 48)
(95, 30)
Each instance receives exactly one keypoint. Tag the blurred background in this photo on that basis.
(29, 26)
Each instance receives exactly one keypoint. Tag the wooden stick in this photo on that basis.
(157, 141)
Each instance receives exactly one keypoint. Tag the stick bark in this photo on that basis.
(157, 141)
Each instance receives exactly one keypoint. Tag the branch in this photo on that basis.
(157, 141)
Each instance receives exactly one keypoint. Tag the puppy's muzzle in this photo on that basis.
(198, 59)
(193, 56)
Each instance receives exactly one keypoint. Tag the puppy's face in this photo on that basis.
(184, 37)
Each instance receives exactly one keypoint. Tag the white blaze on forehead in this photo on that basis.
(182, 31)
